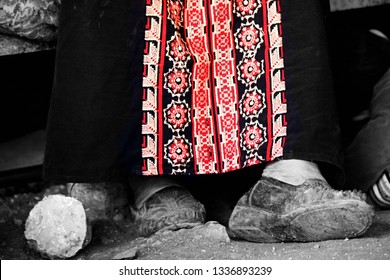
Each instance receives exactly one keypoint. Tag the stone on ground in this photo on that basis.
(57, 227)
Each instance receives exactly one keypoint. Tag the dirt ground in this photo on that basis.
(209, 241)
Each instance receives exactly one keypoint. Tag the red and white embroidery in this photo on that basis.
(178, 49)
(247, 7)
(251, 70)
(213, 97)
(177, 115)
(253, 160)
(150, 104)
(225, 85)
(249, 41)
(177, 81)
(252, 103)
(254, 42)
(204, 131)
(278, 109)
(253, 136)
(175, 13)
(177, 152)
(249, 37)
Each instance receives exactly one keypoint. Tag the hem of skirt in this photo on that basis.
(329, 165)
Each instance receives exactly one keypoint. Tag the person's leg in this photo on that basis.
(94, 127)
(368, 155)
(90, 104)
(293, 200)
(94, 118)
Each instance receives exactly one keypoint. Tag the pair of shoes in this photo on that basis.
(273, 211)
(101, 201)
(171, 207)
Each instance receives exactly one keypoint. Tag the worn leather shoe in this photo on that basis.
(171, 207)
(273, 211)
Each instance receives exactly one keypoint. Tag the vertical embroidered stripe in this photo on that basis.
(225, 85)
(204, 132)
(152, 86)
(275, 64)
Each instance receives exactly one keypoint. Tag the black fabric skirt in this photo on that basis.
(188, 87)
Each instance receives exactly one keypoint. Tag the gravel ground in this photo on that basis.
(209, 241)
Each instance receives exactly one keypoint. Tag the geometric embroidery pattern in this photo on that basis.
(213, 85)
(224, 84)
(277, 124)
(152, 56)
(204, 129)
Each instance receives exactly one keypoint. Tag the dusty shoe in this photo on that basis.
(172, 207)
(101, 201)
(273, 211)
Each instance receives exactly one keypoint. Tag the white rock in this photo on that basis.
(57, 227)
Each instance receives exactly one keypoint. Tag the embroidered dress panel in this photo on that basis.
(213, 86)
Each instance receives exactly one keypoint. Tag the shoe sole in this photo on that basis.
(335, 220)
(172, 221)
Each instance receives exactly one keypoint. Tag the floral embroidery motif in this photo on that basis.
(252, 103)
(251, 69)
(178, 151)
(178, 50)
(177, 115)
(177, 81)
(247, 7)
(252, 136)
(249, 37)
